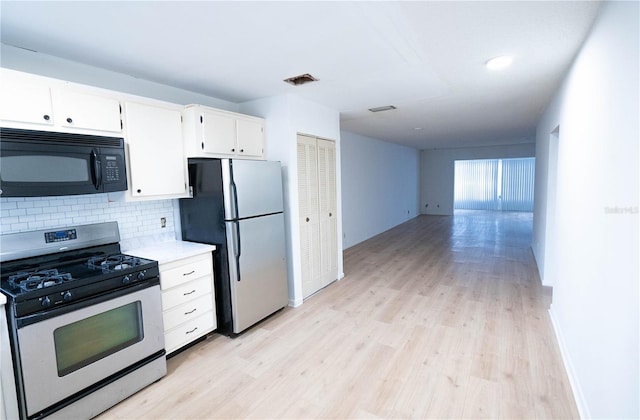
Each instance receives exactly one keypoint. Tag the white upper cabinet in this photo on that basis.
(28, 101)
(82, 110)
(250, 136)
(218, 133)
(157, 165)
(24, 99)
(210, 132)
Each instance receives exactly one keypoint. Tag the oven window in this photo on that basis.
(35, 168)
(88, 340)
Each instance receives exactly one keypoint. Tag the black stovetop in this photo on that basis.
(38, 283)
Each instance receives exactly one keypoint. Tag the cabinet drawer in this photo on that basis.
(189, 331)
(192, 269)
(189, 310)
(188, 291)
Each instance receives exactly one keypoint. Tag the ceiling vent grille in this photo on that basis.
(301, 80)
(382, 108)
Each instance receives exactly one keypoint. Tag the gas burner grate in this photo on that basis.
(27, 281)
(113, 263)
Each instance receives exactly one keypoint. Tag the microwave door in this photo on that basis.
(35, 164)
(34, 173)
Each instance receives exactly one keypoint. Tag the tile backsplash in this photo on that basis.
(136, 220)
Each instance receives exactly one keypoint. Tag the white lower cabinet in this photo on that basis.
(188, 300)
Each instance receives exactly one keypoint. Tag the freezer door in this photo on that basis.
(252, 188)
(257, 269)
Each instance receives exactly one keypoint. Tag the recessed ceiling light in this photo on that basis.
(382, 108)
(499, 63)
(418, 128)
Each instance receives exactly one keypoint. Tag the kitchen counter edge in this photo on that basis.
(169, 251)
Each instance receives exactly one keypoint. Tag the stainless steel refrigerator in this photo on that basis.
(237, 205)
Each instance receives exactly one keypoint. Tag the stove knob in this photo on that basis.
(126, 279)
(140, 275)
(66, 296)
(45, 301)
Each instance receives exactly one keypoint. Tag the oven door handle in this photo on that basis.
(84, 303)
(96, 169)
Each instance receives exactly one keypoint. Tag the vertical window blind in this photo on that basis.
(494, 184)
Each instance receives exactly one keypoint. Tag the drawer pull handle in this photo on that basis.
(188, 293)
(189, 273)
(189, 332)
(191, 311)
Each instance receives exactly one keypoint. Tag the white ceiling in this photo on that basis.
(424, 57)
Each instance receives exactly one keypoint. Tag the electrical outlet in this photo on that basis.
(163, 222)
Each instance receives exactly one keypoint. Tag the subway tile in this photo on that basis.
(135, 219)
(25, 204)
(8, 204)
(19, 227)
(38, 224)
(17, 212)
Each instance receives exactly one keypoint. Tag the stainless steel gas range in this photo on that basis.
(84, 321)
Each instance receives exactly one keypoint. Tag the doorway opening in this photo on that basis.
(494, 184)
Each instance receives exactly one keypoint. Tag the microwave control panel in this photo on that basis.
(112, 169)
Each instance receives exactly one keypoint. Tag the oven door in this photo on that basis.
(67, 353)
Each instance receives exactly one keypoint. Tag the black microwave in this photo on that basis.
(43, 163)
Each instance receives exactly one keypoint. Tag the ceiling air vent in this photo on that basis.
(301, 80)
(382, 108)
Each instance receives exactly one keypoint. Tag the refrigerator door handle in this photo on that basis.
(234, 200)
(237, 248)
(234, 192)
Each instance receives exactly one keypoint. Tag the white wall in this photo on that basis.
(593, 228)
(379, 186)
(437, 170)
(286, 116)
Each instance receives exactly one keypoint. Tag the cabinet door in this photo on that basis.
(219, 133)
(82, 110)
(25, 100)
(327, 210)
(309, 220)
(157, 164)
(250, 135)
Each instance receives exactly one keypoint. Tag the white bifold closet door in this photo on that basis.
(317, 205)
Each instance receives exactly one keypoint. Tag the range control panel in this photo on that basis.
(60, 235)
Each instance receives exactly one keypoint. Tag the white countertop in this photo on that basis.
(3, 299)
(165, 252)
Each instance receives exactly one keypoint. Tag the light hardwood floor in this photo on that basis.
(440, 317)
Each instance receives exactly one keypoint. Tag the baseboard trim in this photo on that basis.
(294, 303)
(578, 396)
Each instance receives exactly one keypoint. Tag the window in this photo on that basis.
(494, 184)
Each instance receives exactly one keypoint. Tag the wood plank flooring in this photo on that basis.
(440, 317)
